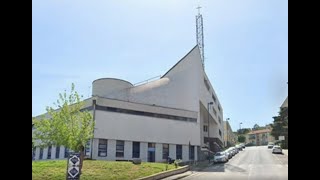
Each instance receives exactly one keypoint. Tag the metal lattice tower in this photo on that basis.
(199, 29)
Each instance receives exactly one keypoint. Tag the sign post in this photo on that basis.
(73, 169)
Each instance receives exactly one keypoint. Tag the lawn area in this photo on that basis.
(95, 169)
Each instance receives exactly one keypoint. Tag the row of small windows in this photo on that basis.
(103, 146)
(66, 153)
(142, 113)
(102, 151)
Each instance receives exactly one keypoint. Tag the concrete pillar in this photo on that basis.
(159, 152)
(53, 152)
(45, 153)
(196, 153)
(185, 153)
(172, 151)
(61, 155)
(144, 151)
(128, 150)
(111, 154)
(95, 146)
(37, 153)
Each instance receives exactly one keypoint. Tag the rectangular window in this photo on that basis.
(66, 152)
(179, 151)
(41, 153)
(207, 84)
(136, 150)
(165, 151)
(219, 108)
(214, 98)
(88, 147)
(214, 111)
(102, 147)
(191, 152)
(120, 149)
(205, 128)
(33, 153)
(219, 119)
(57, 152)
(49, 152)
(219, 132)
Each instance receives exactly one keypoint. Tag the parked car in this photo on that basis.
(228, 153)
(276, 149)
(239, 147)
(220, 157)
(270, 146)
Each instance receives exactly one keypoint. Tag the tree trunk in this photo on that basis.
(81, 158)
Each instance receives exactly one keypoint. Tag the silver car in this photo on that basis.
(220, 157)
(276, 149)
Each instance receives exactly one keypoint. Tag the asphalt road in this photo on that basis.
(253, 163)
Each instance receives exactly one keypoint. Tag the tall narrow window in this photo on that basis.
(66, 152)
(165, 151)
(136, 150)
(102, 148)
(57, 152)
(213, 97)
(33, 153)
(205, 128)
(179, 151)
(49, 152)
(120, 149)
(219, 132)
(191, 152)
(88, 148)
(41, 153)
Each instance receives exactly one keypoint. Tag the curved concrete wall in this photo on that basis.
(102, 87)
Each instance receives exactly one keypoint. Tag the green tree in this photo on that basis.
(280, 126)
(256, 127)
(241, 139)
(67, 124)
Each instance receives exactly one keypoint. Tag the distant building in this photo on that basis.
(228, 136)
(178, 115)
(260, 137)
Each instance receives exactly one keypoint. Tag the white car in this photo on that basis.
(276, 149)
(270, 146)
(228, 153)
(220, 157)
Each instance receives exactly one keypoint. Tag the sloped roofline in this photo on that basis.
(179, 61)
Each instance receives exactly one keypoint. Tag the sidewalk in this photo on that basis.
(285, 151)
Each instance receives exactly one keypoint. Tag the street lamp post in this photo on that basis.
(210, 103)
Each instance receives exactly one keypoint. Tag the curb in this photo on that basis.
(166, 173)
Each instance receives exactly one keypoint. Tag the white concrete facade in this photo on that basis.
(171, 110)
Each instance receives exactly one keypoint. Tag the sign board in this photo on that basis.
(281, 137)
(73, 170)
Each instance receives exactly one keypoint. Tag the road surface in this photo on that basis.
(253, 163)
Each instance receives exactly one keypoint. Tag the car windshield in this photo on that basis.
(219, 153)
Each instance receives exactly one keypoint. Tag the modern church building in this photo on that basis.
(177, 116)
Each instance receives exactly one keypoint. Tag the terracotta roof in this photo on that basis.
(260, 131)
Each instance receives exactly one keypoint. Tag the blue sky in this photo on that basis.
(246, 48)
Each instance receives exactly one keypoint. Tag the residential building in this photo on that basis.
(228, 136)
(259, 137)
(177, 116)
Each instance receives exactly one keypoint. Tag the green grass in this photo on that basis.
(95, 169)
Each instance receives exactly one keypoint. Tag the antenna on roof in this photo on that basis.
(199, 34)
